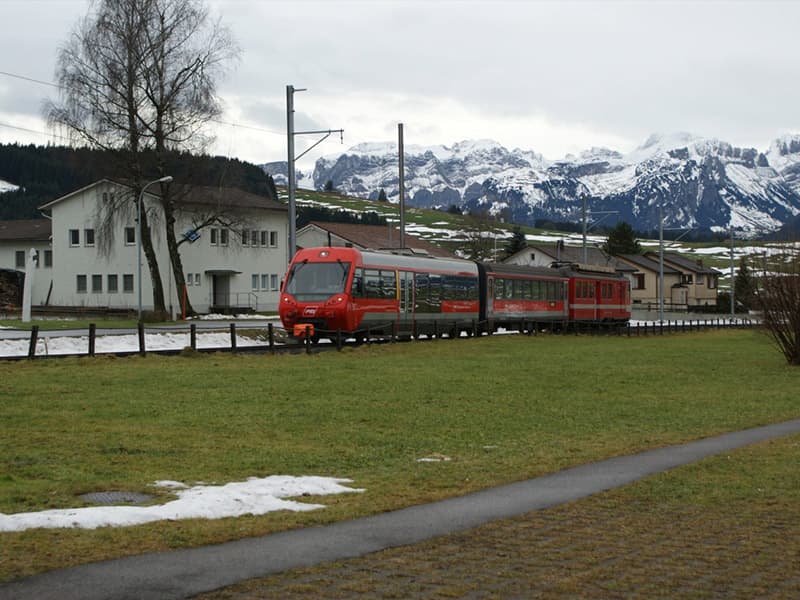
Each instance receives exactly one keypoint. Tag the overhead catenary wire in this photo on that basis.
(57, 86)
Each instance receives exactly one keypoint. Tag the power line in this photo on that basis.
(55, 85)
(29, 79)
(33, 131)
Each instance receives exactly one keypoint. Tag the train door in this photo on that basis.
(405, 317)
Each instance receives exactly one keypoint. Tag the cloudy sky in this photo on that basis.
(554, 77)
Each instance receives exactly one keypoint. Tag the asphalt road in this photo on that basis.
(184, 573)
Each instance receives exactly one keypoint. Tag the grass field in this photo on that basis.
(501, 408)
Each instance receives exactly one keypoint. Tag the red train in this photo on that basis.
(359, 293)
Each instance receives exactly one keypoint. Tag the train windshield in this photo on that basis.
(311, 281)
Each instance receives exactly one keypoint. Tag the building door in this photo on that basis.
(221, 288)
(405, 318)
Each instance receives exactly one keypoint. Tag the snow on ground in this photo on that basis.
(122, 343)
(252, 497)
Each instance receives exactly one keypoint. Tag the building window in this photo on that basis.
(74, 237)
(189, 279)
(223, 237)
(686, 278)
(112, 284)
(273, 239)
(197, 278)
(88, 237)
(263, 281)
(48, 258)
(254, 282)
(214, 236)
(273, 282)
(638, 281)
(80, 284)
(263, 238)
(127, 283)
(130, 236)
(19, 259)
(97, 284)
(701, 279)
(245, 237)
(254, 238)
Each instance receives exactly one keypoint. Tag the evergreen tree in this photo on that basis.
(744, 286)
(382, 196)
(329, 186)
(622, 240)
(516, 243)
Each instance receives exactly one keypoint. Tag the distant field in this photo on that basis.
(501, 408)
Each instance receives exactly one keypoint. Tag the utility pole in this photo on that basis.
(290, 133)
(402, 168)
(660, 265)
(733, 284)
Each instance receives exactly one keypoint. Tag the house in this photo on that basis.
(698, 282)
(645, 282)
(364, 237)
(17, 238)
(544, 256)
(233, 247)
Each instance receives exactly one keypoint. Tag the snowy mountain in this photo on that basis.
(7, 187)
(698, 183)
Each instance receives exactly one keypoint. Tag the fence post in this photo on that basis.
(271, 338)
(308, 339)
(339, 340)
(34, 339)
(233, 337)
(193, 336)
(140, 329)
(436, 330)
(92, 333)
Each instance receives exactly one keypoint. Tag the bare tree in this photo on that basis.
(138, 77)
(778, 293)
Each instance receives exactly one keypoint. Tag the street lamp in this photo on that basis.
(165, 179)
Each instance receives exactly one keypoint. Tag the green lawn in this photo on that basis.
(502, 408)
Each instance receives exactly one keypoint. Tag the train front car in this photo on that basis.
(367, 293)
(315, 297)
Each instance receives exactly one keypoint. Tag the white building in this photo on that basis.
(233, 249)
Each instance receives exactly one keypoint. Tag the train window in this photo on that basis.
(509, 289)
(388, 284)
(499, 289)
(470, 288)
(527, 290)
(435, 297)
(309, 281)
(357, 287)
(372, 283)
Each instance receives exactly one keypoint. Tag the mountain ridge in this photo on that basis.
(695, 182)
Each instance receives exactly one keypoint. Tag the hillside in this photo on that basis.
(34, 175)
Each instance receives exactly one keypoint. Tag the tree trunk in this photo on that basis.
(174, 254)
(155, 274)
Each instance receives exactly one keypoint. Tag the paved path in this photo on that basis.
(183, 573)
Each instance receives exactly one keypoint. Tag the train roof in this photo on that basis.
(402, 259)
(521, 271)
